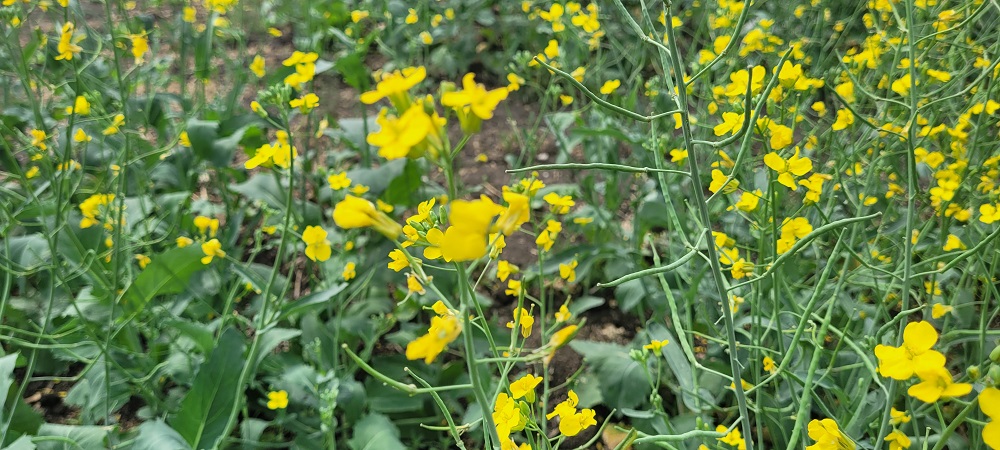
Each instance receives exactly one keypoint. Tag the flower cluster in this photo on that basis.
(445, 328)
(916, 357)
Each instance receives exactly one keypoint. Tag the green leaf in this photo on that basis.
(375, 432)
(157, 435)
(91, 394)
(168, 273)
(22, 443)
(86, 437)
(402, 189)
(378, 179)
(270, 340)
(263, 187)
(202, 134)
(204, 412)
(199, 333)
(250, 432)
(354, 71)
(622, 378)
(258, 275)
(584, 304)
(352, 130)
(25, 420)
(316, 299)
(6, 381)
(678, 365)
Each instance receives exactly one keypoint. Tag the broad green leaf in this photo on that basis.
(354, 130)
(202, 134)
(85, 437)
(375, 432)
(258, 275)
(205, 410)
(168, 273)
(22, 443)
(379, 178)
(199, 333)
(583, 304)
(678, 365)
(354, 71)
(271, 339)
(624, 384)
(25, 420)
(157, 435)
(90, 393)
(307, 303)
(6, 381)
(250, 432)
(263, 187)
(402, 189)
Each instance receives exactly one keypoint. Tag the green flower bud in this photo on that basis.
(974, 372)
(995, 355)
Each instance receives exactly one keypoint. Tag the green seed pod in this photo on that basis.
(994, 375)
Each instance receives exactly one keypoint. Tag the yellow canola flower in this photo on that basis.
(398, 137)
(828, 436)
(91, 208)
(444, 329)
(915, 354)
(559, 339)
(938, 310)
(81, 136)
(355, 212)
(571, 421)
(398, 260)
(508, 417)
(989, 213)
(844, 119)
(257, 66)
(953, 243)
(349, 271)
(936, 384)
(68, 40)
(517, 212)
(740, 79)
(655, 346)
(277, 399)
(719, 183)
(212, 249)
(560, 203)
(563, 314)
(396, 86)
(568, 271)
(525, 387)
(81, 107)
(140, 46)
(610, 86)
(748, 201)
(788, 169)
(465, 238)
(339, 181)
(317, 246)
(306, 103)
(525, 319)
(897, 440)
(547, 238)
(733, 438)
(505, 269)
(115, 126)
(474, 103)
(989, 402)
